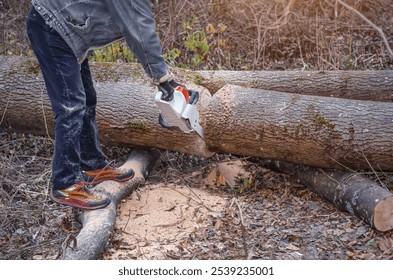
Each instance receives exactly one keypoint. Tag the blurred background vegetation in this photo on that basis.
(247, 34)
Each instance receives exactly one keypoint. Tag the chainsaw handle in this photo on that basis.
(167, 88)
(167, 91)
(194, 96)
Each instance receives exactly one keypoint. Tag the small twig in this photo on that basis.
(301, 52)
(5, 109)
(200, 202)
(282, 20)
(64, 245)
(371, 167)
(128, 220)
(244, 230)
(342, 165)
(369, 22)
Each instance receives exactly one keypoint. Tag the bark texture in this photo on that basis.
(310, 130)
(361, 85)
(316, 131)
(349, 192)
(99, 224)
(126, 111)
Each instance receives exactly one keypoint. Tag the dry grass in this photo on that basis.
(30, 225)
(13, 38)
(281, 35)
(264, 34)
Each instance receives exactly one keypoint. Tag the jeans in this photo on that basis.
(73, 100)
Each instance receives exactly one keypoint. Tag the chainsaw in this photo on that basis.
(179, 110)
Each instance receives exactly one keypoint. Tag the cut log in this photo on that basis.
(350, 192)
(361, 85)
(99, 224)
(126, 111)
(308, 130)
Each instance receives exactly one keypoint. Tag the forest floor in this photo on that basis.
(183, 212)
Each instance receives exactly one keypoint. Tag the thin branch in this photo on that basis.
(283, 20)
(5, 109)
(243, 229)
(373, 25)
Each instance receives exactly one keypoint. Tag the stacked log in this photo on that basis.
(360, 85)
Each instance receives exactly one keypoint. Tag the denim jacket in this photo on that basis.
(90, 24)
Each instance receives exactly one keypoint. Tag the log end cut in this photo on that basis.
(383, 214)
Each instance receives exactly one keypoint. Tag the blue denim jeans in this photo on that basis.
(73, 99)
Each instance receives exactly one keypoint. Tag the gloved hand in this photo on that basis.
(167, 88)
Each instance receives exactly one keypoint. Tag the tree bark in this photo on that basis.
(315, 131)
(99, 224)
(349, 192)
(310, 130)
(126, 111)
(361, 85)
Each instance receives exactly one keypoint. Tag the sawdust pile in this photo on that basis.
(153, 223)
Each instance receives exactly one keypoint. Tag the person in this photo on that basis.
(62, 35)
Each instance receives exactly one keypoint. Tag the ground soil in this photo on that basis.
(184, 211)
(193, 217)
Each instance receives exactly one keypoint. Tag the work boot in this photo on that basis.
(108, 173)
(79, 196)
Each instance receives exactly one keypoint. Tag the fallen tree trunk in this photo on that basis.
(316, 131)
(99, 224)
(361, 85)
(309, 130)
(126, 111)
(349, 192)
